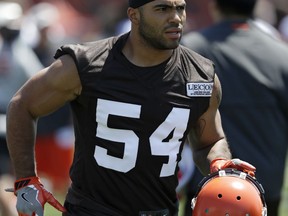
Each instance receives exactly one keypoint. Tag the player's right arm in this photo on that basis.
(45, 92)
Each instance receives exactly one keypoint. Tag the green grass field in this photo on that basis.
(49, 211)
(284, 203)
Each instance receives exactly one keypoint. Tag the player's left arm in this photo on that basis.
(210, 147)
(207, 139)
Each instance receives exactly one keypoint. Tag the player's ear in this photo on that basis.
(133, 15)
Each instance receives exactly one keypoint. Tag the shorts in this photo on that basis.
(74, 210)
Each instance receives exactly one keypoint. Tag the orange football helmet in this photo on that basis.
(229, 192)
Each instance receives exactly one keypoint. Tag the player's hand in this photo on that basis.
(31, 197)
(221, 163)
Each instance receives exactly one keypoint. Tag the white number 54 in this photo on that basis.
(175, 121)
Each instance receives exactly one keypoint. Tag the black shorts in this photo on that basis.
(5, 167)
(74, 210)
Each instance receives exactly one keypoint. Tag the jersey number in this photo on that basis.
(175, 121)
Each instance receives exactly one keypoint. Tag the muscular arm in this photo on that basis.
(44, 93)
(208, 139)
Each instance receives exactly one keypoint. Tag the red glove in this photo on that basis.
(222, 163)
(31, 197)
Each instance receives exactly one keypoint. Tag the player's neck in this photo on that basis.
(142, 55)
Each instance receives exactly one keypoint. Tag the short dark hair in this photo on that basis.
(241, 7)
(138, 3)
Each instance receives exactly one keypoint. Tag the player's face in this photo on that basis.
(161, 23)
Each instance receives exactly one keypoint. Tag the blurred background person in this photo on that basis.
(253, 69)
(185, 172)
(42, 31)
(17, 63)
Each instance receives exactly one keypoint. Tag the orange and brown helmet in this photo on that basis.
(229, 193)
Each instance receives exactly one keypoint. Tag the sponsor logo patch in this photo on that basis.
(199, 89)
